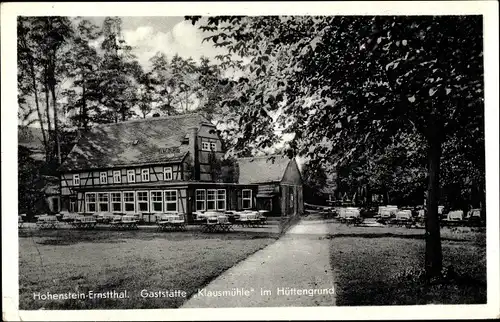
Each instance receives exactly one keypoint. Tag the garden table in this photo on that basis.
(250, 219)
(84, 222)
(47, 222)
(171, 221)
(216, 222)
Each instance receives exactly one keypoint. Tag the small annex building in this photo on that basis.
(279, 183)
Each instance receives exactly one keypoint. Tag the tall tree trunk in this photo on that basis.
(433, 252)
(47, 113)
(37, 104)
(123, 113)
(56, 117)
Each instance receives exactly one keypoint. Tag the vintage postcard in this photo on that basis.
(275, 160)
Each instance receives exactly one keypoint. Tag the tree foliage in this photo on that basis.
(348, 87)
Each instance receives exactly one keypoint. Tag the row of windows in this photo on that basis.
(158, 200)
(215, 199)
(117, 176)
(208, 146)
(130, 201)
(210, 199)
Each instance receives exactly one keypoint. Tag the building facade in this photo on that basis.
(151, 166)
(279, 184)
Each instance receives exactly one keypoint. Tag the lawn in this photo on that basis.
(381, 266)
(65, 260)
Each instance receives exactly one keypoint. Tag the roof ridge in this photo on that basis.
(139, 120)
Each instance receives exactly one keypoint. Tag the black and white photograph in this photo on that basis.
(239, 159)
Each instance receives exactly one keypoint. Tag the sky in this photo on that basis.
(170, 35)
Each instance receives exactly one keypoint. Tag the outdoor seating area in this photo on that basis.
(350, 216)
(248, 218)
(172, 221)
(84, 222)
(406, 216)
(206, 221)
(47, 222)
(125, 222)
(401, 218)
(104, 217)
(69, 216)
(215, 222)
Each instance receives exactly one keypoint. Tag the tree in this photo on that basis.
(41, 41)
(174, 83)
(162, 84)
(118, 72)
(397, 172)
(57, 32)
(82, 64)
(212, 89)
(372, 79)
(27, 79)
(314, 180)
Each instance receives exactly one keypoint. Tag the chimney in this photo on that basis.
(193, 151)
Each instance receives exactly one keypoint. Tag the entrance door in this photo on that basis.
(265, 203)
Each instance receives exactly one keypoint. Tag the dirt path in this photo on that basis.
(274, 276)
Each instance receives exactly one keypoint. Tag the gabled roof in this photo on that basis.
(143, 141)
(262, 169)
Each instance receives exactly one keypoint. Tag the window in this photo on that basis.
(129, 201)
(167, 173)
(117, 177)
(205, 146)
(212, 146)
(247, 198)
(221, 199)
(76, 179)
(170, 200)
(211, 199)
(103, 201)
(145, 175)
(200, 200)
(156, 201)
(103, 178)
(116, 201)
(142, 201)
(90, 202)
(131, 175)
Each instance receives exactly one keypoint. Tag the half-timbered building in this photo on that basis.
(151, 166)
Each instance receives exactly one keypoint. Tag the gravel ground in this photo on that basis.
(297, 261)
